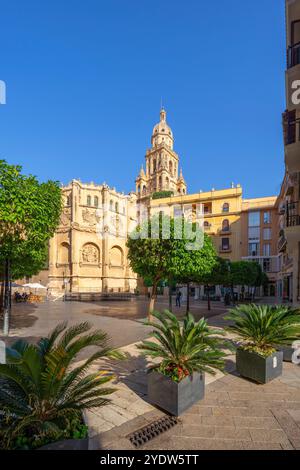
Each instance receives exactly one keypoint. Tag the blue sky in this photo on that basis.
(85, 80)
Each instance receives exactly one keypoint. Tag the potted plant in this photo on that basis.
(182, 355)
(262, 329)
(43, 393)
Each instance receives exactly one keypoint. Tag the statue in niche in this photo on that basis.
(90, 254)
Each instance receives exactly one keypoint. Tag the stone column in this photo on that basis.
(105, 238)
(74, 239)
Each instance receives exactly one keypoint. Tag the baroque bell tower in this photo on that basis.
(161, 164)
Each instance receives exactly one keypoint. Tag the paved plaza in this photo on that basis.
(235, 413)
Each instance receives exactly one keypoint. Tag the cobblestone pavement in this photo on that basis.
(235, 413)
(122, 320)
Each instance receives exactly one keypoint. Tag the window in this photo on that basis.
(267, 265)
(253, 233)
(225, 207)
(225, 243)
(267, 217)
(267, 249)
(89, 201)
(117, 207)
(111, 205)
(254, 219)
(225, 225)
(253, 249)
(96, 201)
(267, 234)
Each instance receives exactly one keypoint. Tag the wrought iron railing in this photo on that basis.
(293, 55)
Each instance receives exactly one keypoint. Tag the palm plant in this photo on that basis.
(263, 327)
(42, 390)
(194, 347)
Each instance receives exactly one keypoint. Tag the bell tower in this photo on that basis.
(161, 164)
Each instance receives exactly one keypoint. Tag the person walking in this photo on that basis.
(178, 298)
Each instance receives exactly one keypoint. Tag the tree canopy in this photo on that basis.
(168, 256)
(29, 215)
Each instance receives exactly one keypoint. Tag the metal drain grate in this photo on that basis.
(152, 430)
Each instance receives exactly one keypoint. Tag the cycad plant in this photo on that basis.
(182, 350)
(264, 327)
(42, 391)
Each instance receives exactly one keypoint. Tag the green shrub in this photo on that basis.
(194, 347)
(43, 393)
(262, 328)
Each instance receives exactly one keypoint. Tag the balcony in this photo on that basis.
(281, 244)
(291, 131)
(292, 229)
(293, 55)
(225, 249)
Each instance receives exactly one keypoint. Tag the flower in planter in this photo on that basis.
(262, 328)
(182, 350)
(43, 393)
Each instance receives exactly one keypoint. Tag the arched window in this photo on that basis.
(111, 204)
(64, 253)
(225, 207)
(225, 225)
(160, 182)
(139, 189)
(96, 201)
(116, 256)
(117, 207)
(171, 167)
(154, 165)
(144, 189)
(68, 201)
(89, 201)
(167, 182)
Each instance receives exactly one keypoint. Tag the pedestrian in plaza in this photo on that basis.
(178, 298)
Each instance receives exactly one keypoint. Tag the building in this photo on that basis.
(288, 199)
(88, 252)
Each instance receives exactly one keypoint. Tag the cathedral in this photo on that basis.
(88, 252)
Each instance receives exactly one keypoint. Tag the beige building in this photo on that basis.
(88, 252)
(288, 200)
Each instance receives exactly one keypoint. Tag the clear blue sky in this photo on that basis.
(85, 80)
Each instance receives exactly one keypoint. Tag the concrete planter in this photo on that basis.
(287, 351)
(173, 397)
(258, 368)
(67, 444)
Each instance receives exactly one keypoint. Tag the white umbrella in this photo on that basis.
(34, 285)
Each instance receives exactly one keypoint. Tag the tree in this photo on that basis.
(219, 275)
(29, 215)
(167, 256)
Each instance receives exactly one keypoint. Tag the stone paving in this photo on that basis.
(235, 413)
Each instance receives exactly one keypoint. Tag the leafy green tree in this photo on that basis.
(42, 389)
(167, 256)
(29, 215)
(218, 276)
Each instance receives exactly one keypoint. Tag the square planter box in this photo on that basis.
(258, 368)
(288, 352)
(173, 397)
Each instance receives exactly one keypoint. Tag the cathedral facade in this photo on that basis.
(88, 252)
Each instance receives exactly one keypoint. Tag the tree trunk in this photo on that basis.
(7, 298)
(170, 295)
(232, 294)
(208, 299)
(152, 300)
(187, 298)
